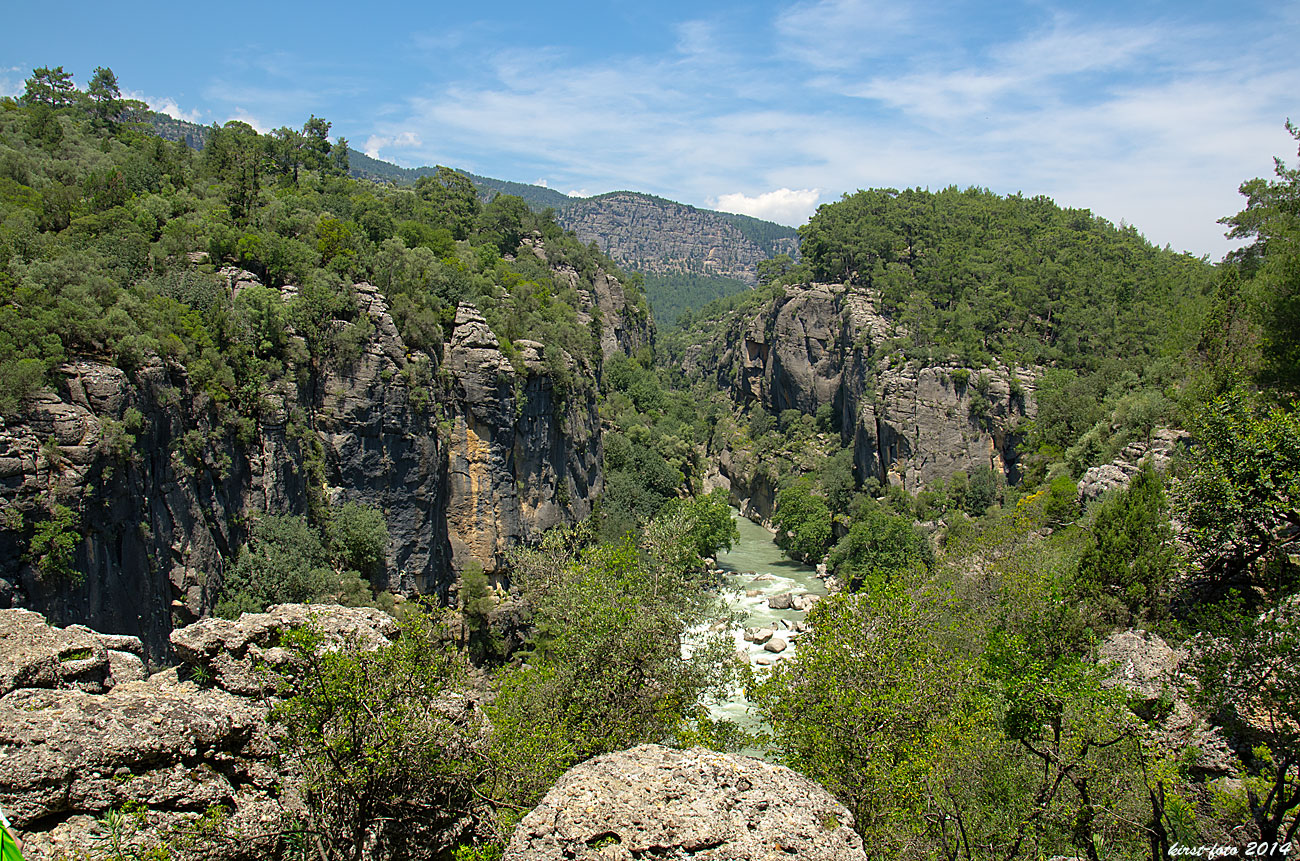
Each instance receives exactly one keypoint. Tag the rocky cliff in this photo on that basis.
(464, 452)
(658, 236)
(827, 345)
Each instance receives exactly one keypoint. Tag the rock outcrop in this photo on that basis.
(465, 452)
(77, 743)
(827, 346)
(1151, 672)
(1158, 450)
(652, 801)
(658, 236)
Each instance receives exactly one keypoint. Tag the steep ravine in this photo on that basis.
(828, 346)
(464, 453)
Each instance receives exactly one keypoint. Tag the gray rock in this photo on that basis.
(34, 654)
(781, 602)
(659, 237)
(125, 667)
(240, 654)
(697, 803)
(1143, 663)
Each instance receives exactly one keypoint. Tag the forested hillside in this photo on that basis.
(1044, 475)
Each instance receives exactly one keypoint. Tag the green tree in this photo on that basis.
(1131, 558)
(1240, 498)
(803, 522)
(880, 547)
(105, 93)
(357, 539)
(608, 669)
(51, 87)
(1272, 220)
(283, 562)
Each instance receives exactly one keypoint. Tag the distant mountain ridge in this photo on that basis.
(689, 255)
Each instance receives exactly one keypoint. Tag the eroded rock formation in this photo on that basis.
(653, 801)
(827, 345)
(462, 463)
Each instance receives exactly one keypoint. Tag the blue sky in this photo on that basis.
(1147, 112)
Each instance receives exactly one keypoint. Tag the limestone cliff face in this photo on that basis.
(465, 453)
(658, 236)
(522, 459)
(824, 344)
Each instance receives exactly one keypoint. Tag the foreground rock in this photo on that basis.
(654, 802)
(83, 733)
(237, 654)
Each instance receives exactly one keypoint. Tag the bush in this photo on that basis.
(803, 522)
(387, 745)
(1132, 557)
(879, 548)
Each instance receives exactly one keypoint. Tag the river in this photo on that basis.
(757, 570)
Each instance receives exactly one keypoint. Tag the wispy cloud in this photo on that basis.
(1149, 120)
(838, 34)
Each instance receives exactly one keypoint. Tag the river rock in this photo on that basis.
(652, 801)
(762, 635)
(781, 602)
(776, 644)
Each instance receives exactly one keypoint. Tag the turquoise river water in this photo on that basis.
(756, 570)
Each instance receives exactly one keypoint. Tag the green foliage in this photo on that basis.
(283, 562)
(53, 546)
(1131, 558)
(287, 560)
(987, 276)
(1272, 263)
(608, 669)
(1239, 497)
(671, 296)
(384, 739)
(99, 222)
(477, 604)
(357, 538)
(803, 522)
(712, 527)
(879, 548)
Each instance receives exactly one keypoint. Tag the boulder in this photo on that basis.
(781, 602)
(1143, 663)
(238, 653)
(776, 644)
(652, 801)
(34, 654)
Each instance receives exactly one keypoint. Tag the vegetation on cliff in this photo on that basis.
(958, 696)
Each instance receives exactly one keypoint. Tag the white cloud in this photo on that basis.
(783, 205)
(836, 34)
(541, 182)
(578, 192)
(401, 140)
(244, 116)
(1154, 124)
(166, 105)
